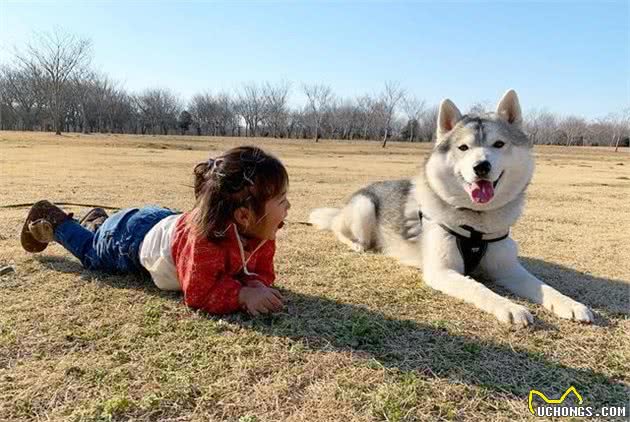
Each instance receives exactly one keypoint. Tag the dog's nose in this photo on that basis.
(482, 168)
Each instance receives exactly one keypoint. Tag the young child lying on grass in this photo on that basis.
(220, 253)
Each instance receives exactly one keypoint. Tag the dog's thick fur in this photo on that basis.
(384, 216)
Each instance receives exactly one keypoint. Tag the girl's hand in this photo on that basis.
(260, 300)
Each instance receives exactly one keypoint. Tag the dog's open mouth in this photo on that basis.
(482, 191)
(281, 225)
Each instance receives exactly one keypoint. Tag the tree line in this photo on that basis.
(50, 85)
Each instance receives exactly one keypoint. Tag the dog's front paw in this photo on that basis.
(514, 314)
(570, 309)
(358, 247)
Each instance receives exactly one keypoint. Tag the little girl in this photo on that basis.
(220, 254)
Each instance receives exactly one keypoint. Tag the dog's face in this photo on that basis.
(480, 162)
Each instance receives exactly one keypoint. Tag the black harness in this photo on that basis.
(472, 244)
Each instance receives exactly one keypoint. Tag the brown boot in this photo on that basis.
(94, 219)
(40, 224)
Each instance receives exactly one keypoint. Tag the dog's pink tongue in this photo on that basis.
(480, 191)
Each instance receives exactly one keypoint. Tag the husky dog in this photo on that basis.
(453, 220)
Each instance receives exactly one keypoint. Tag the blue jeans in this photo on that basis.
(115, 246)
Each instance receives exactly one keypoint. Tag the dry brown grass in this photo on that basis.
(362, 338)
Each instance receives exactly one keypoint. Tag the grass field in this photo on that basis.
(362, 338)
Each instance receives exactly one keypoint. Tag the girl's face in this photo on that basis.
(267, 225)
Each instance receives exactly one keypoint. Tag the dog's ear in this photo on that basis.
(448, 117)
(509, 108)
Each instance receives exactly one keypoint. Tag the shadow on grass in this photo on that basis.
(406, 345)
(68, 265)
(601, 294)
(323, 324)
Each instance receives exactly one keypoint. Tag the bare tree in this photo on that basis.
(104, 92)
(227, 118)
(51, 62)
(204, 111)
(413, 108)
(251, 105)
(296, 128)
(276, 97)
(541, 126)
(20, 96)
(574, 129)
(115, 100)
(159, 109)
(363, 106)
(82, 88)
(427, 126)
(8, 114)
(319, 97)
(622, 127)
(214, 115)
(391, 96)
(480, 107)
(344, 119)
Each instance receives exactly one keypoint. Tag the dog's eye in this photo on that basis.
(498, 144)
(463, 147)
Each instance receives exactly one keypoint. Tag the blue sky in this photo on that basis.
(568, 57)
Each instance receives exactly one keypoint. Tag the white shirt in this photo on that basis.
(155, 253)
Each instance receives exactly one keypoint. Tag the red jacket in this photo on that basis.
(211, 274)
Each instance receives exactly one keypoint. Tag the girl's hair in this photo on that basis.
(243, 176)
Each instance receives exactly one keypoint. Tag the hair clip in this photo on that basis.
(248, 179)
(214, 163)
